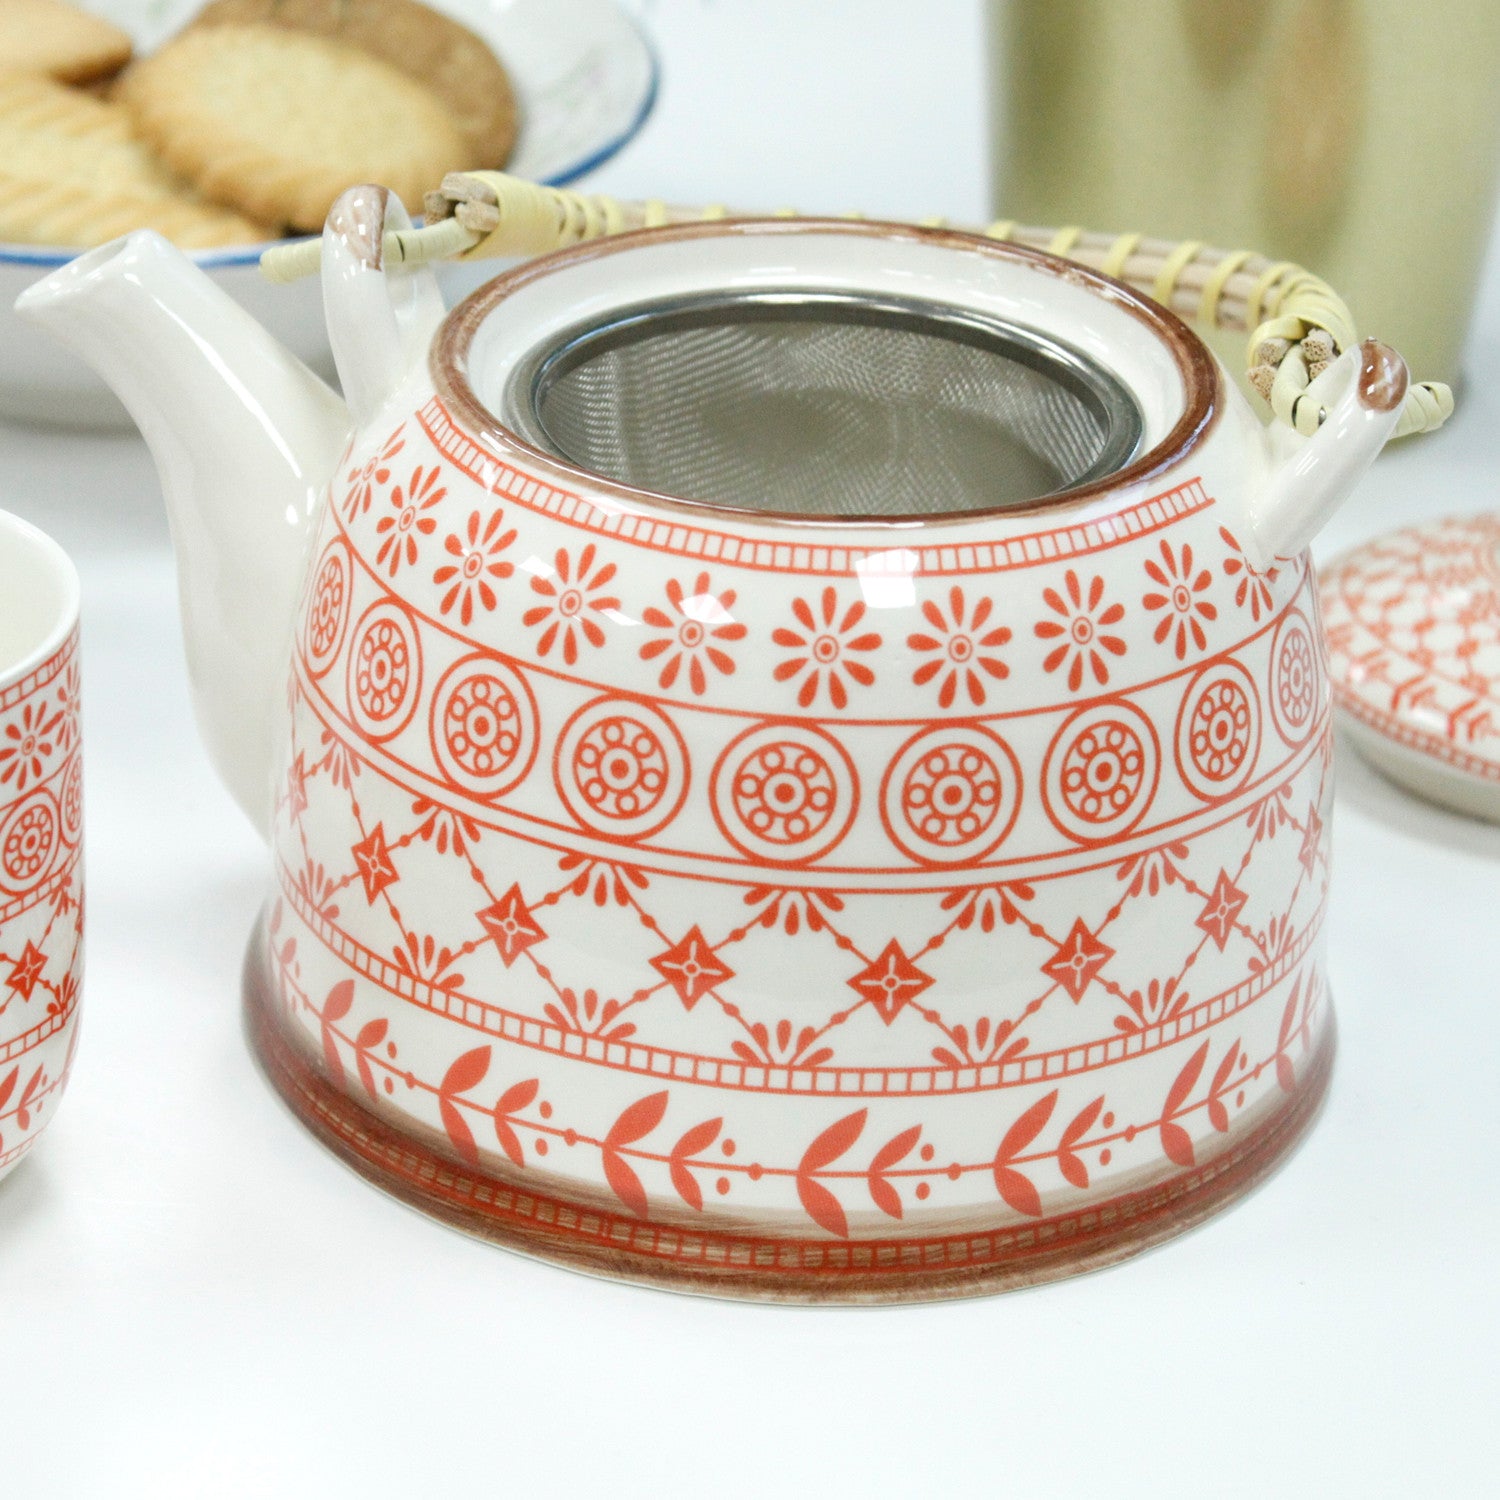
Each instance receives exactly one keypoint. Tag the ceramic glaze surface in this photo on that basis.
(864, 886)
(41, 830)
(844, 892)
(1414, 642)
(817, 910)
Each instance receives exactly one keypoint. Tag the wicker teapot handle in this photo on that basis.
(1297, 324)
(379, 327)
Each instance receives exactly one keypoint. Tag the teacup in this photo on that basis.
(41, 829)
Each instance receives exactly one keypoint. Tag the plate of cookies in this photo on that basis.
(232, 124)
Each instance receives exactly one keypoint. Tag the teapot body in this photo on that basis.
(790, 908)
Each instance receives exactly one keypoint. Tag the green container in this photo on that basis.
(1360, 138)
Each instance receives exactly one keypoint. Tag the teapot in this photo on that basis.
(726, 833)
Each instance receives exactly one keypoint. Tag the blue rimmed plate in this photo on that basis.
(585, 78)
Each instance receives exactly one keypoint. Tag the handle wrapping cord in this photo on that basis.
(1297, 323)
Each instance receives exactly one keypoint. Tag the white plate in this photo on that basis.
(585, 79)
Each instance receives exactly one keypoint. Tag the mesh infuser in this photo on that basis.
(830, 404)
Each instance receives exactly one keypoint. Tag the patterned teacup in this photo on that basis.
(41, 827)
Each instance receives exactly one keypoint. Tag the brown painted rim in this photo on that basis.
(448, 363)
(580, 1237)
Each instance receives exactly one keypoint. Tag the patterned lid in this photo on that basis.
(1414, 655)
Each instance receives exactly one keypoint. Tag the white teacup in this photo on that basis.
(41, 828)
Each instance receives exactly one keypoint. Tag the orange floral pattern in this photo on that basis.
(1252, 589)
(696, 622)
(573, 602)
(1080, 632)
(29, 741)
(399, 532)
(376, 470)
(820, 651)
(961, 648)
(1183, 611)
(477, 560)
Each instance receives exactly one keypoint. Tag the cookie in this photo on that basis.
(429, 47)
(33, 103)
(277, 123)
(71, 173)
(59, 41)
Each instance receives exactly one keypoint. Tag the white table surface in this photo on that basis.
(197, 1300)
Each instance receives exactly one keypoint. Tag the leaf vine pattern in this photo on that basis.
(636, 1121)
(1035, 1141)
(463, 1074)
(516, 1098)
(1014, 1186)
(822, 1207)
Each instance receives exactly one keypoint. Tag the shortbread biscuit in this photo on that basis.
(71, 173)
(35, 104)
(427, 46)
(277, 123)
(59, 41)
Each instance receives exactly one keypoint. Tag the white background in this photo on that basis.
(197, 1300)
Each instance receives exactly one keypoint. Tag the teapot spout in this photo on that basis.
(245, 438)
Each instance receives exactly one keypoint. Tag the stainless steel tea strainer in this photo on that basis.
(824, 404)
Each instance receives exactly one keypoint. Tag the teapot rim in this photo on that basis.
(448, 362)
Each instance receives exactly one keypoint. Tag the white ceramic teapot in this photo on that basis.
(775, 889)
